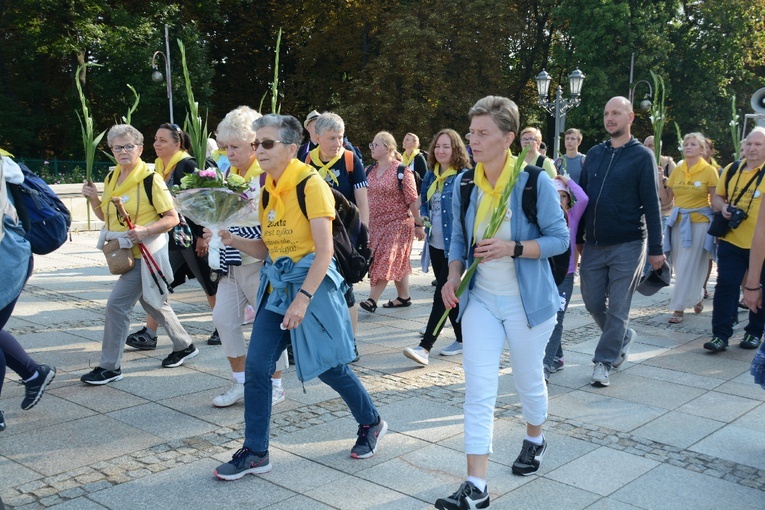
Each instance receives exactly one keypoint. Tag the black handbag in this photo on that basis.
(719, 226)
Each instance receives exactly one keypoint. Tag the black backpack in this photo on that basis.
(350, 237)
(43, 215)
(400, 172)
(558, 263)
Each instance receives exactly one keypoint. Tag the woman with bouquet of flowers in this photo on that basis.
(152, 219)
(300, 299)
(512, 298)
(174, 160)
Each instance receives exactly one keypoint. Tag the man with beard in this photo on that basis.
(619, 177)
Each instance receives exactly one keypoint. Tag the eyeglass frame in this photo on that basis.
(119, 148)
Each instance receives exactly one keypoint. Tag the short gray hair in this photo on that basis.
(236, 126)
(502, 111)
(758, 129)
(290, 129)
(120, 130)
(329, 121)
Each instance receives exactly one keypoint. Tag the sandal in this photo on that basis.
(676, 318)
(369, 305)
(698, 308)
(404, 303)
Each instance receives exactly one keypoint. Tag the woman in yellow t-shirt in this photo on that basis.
(152, 219)
(692, 184)
(300, 300)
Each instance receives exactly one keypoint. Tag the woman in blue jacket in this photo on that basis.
(447, 157)
(300, 300)
(512, 297)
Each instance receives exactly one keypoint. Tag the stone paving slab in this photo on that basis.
(677, 428)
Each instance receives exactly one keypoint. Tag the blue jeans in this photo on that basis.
(554, 349)
(732, 262)
(609, 276)
(266, 345)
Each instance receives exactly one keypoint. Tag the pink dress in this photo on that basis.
(391, 226)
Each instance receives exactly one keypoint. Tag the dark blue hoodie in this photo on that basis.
(621, 184)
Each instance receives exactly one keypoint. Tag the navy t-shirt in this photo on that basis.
(347, 181)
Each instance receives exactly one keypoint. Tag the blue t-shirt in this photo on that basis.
(347, 181)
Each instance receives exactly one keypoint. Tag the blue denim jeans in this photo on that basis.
(554, 349)
(266, 345)
(609, 276)
(732, 262)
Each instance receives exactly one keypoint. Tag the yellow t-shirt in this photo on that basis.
(548, 166)
(749, 202)
(290, 236)
(136, 201)
(691, 187)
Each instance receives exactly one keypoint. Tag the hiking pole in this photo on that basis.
(154, 268)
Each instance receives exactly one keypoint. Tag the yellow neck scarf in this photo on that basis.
(252, 172)
(5, 153)
(490, 199)
(112, 189)
(408, 159)
(295, 172)
(438, 184)
(165, 171)
(698, 167)
(324, 170)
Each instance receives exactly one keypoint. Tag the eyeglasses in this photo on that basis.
(267, 144)
(374, 145)
(127, 148)
(528, 140)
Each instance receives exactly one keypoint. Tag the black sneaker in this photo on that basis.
(749, 342)
(467, 497)
(369, 436)
(142, 340)
(176, 358)
(214, 338)
(2, 422)
(244, 462)
(36, 387)
(531, 455)
(100, 376)
(717, 344)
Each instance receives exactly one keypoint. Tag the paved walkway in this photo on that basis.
(677, 428)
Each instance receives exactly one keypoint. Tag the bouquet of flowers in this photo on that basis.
(215, 202)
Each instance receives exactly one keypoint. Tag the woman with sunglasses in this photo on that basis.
(300, 300)
(174, 160)
(394, 220)
(152, 218)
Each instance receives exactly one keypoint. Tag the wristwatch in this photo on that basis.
(518, 250)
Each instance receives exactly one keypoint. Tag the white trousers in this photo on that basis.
(490, 322)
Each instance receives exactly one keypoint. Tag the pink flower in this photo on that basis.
(208, 173)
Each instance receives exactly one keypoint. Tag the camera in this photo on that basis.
(736, 216)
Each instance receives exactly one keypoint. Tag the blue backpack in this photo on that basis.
(43, 215)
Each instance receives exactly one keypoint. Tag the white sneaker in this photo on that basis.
(454, 349)
(249, 315)
(230, 397)
(417, 354)
(277, 395)
(600, 375)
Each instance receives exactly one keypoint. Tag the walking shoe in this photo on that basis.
(369, 437)
(230, 397)
(244, 462)
(717, 344)
(142, 340)
(417, 354)
(467, 497)
(277, 395)
(625, 352)
(176, 358)
(36, 387)
(214, 338)
(557, 364)
(2, 422)
(249, 315)
(600, 375)
(99, 376)
(749, 342)
(531, 455)
(454, 349)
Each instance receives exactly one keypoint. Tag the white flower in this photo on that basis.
(733, 123)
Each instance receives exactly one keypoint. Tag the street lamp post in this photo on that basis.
(559, 106)
(645, 104)
(157, 75)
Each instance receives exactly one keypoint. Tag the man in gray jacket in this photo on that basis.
(619, 177)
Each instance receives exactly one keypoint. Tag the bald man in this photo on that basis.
(619, 178)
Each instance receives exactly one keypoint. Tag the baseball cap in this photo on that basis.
(655, 280)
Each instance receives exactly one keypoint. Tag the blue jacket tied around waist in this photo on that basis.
(324, 338)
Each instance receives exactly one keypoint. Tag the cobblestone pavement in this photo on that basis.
(677, 428)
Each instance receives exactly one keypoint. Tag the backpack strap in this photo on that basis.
(467, 184)
(733, 169)
(300, 190)
(349, 161)
(529, 196)
(148, 186)
(540, 161)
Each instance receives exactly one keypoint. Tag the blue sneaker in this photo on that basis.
(244, 462)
